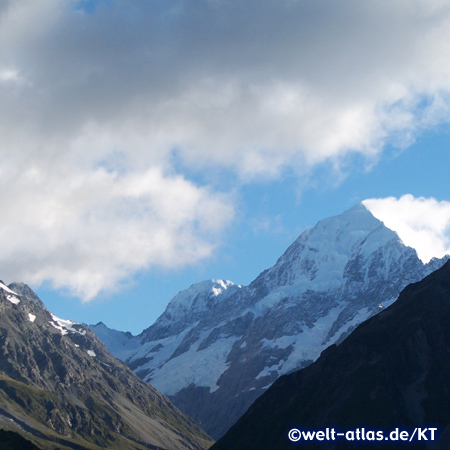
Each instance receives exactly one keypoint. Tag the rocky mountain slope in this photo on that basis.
(219, 346)
(392, 371)
(61, 388)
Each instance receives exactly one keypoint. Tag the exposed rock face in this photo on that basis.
(60, 385)
(392, 371)
(218, 346)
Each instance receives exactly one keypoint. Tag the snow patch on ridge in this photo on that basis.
(64, 326)
(12, 296)
(13, 299)
(7, 289)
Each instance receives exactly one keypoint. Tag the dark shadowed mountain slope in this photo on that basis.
(9, 440)
(392, 371)
(61, 388)
(219, 346)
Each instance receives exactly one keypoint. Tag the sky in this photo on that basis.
(149, 145)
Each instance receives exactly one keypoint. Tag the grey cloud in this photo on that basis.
(249, 86)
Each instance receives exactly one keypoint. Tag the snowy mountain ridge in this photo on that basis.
(218, 346)
(196, 301)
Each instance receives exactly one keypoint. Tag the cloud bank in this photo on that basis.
(422, 223)
(87, 232)
(97, 97)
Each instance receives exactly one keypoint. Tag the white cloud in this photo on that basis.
(93, 106)
(89, 231)
(421, 223)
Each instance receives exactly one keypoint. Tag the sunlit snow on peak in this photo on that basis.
(206, 289)
(197, 300)
(219, 286)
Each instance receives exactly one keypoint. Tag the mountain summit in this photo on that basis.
(213, 355)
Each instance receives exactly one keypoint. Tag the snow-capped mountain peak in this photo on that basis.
(325, 257)
(332, 242)
(218, 346)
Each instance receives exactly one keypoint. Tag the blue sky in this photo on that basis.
(150, 145)
(271, 215)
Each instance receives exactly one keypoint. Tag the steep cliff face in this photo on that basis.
(392, 371)
(61, 387)
(218, 346)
